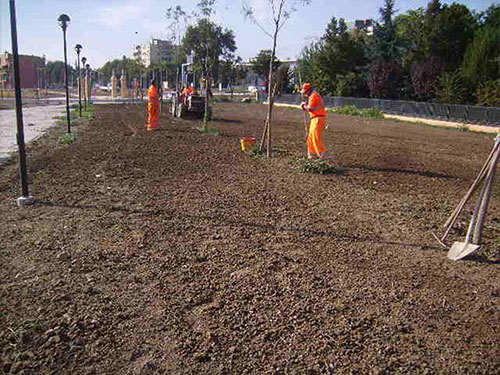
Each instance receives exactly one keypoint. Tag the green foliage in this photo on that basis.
(491, 17)
(448, 32)
(482, 57)
(209, 42)
(450, 88)
(54, 72)
(335, 64)
(256, 152)
(351, 110)
(230, 70)
(315, 166)
(410, 31)
(67, 139)
(262, 62)
(131, 67)
(488, 93)
(209, 130)
(385, 44)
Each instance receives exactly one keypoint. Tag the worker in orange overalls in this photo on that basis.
(315, 106)
(153, 107)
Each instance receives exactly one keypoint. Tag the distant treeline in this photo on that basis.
(442, 53)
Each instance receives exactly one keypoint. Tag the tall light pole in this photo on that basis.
(84, 60)
(63, 21)
(88, 87)
(78, 48)
(25, 198)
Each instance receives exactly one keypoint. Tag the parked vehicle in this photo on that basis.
(187, 105)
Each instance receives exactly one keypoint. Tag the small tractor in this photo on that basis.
(187, 105)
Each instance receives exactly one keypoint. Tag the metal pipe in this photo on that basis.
(25, 199)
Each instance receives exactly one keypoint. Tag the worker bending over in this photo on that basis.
(315, 106)
(153, 107)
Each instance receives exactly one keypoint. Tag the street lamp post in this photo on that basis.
(63, 21)
(88, 86)
(78, 48)
(84, 60)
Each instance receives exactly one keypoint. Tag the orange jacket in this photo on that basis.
(190, 90)
(316, 105)
(153, 96)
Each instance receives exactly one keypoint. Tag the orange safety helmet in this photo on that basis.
(306, 87)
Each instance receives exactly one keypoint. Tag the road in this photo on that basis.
(36, 120)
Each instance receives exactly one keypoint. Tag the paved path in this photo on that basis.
(36, 120)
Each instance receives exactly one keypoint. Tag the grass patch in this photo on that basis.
(67, 139)
(315, 166)
(350, 110)
(208, 130)
(256, 152)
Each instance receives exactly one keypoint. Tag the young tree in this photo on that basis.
(177, 17)
(208, 42)
(280, 12)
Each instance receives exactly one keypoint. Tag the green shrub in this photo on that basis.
(350, 110)
(67, 139)
(488, 93)
(450, 88)
(372, 112)
(316, 166)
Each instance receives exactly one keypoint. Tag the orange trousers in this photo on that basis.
(315, 145)
(153, 115)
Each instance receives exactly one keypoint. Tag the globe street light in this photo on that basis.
(78, 48)
(63, 21)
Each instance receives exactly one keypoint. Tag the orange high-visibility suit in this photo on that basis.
(190, 90)
(153, 108)
(317, 112)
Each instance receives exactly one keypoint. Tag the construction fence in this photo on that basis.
(438, 111)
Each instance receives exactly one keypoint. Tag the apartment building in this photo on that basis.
(29, 70)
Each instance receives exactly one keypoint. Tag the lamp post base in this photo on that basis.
(25, 201)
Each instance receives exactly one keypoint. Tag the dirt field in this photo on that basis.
(174, 252)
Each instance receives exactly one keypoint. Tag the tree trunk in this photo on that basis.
(270, 97)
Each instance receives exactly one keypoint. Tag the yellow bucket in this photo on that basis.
(247, 143)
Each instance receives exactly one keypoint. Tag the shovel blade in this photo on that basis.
(460, 250)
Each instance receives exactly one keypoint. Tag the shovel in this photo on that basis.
(460, 250)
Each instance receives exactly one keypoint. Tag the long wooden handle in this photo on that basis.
(451, 220)
(478, 229)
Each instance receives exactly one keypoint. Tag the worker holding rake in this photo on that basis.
(153, 107)
(315, 106)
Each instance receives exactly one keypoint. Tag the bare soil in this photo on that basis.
(174, 252)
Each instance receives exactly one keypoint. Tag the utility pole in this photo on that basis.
(25, 199)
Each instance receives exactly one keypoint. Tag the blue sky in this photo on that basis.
(108, 29)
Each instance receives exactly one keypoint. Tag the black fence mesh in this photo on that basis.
(448, 112)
